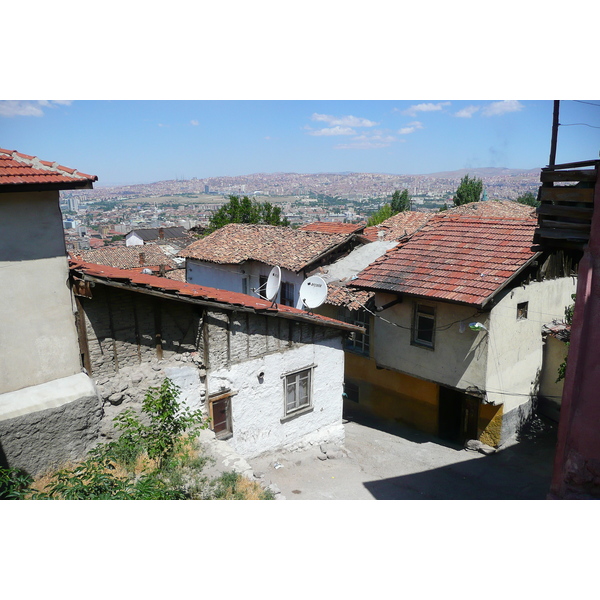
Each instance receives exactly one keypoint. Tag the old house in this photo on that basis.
(239, 257)
(49, 410)
(455, 345)
(268, 377)
(139, 237)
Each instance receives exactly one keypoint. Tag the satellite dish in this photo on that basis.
(147, 271)
(313, 291)
(273, 284)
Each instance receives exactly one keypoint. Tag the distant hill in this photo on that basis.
(484, 172)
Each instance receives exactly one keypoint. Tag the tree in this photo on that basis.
(400, 201)
(529, 199)
(245, 210)
(469, 190)
(385, 212)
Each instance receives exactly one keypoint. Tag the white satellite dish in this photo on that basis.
(313, 292)
(273, 284)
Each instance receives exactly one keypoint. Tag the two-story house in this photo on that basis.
(455, 344)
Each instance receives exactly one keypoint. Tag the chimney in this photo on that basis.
(161, 233)
(142, 258)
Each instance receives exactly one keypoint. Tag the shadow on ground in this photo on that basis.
(521, 470)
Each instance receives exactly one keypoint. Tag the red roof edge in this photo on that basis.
(190, 292)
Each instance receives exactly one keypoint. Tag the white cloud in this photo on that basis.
(410, 128)
(361, 145)
(26, 108)
(194, 122)
(500, 108)
(424, 107)
(334, 131)
(467, 112)
(345, 121)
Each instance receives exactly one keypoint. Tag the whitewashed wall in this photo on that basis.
(258, 404)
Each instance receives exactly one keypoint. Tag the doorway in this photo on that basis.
(220, 414)
(458, 416)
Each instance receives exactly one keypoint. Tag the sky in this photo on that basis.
(143, 141)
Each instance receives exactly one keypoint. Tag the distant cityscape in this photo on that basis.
(98, 217)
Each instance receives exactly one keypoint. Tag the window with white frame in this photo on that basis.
(298, 391)
(423, 326)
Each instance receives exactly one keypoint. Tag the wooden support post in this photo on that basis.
(554, 134)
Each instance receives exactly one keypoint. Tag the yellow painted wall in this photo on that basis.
(490, 424)
(393, 395)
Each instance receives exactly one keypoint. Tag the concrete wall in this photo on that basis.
(457, 360)
(38, 339)
(49, 409)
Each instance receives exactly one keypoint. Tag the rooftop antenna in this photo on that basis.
(313, 292)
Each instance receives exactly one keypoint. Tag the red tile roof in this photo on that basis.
(339, 294)
(123, 257)
(187, 291)
(396, 227)
(454, 257)
(326, 227)
(285, 247)
(22, 170)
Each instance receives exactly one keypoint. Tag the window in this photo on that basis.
(522, 310)
(287, 294)
(358, 341)
(245, 285)
(298, 391)
(423, 326)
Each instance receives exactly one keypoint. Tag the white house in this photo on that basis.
(239, 257)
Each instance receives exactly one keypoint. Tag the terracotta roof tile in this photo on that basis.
(396, 227)
(285, 247)
(17, 169)
(123, 257)
(327, 227)
(201, 293)
(456, 257)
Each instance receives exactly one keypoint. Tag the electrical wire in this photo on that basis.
(584, 102)
(573, 124)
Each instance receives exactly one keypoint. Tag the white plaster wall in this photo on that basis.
(133, 240)
(258, 406)
(516, 346)
(229, 277)
(38, 337)
(457, 360)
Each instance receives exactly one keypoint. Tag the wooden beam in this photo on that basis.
(567, 194)
(572, 175)
(554, 133)
(548, 224)
(573, 165)
(566, 234)
(574, 212)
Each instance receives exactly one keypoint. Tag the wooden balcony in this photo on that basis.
(567, 205)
